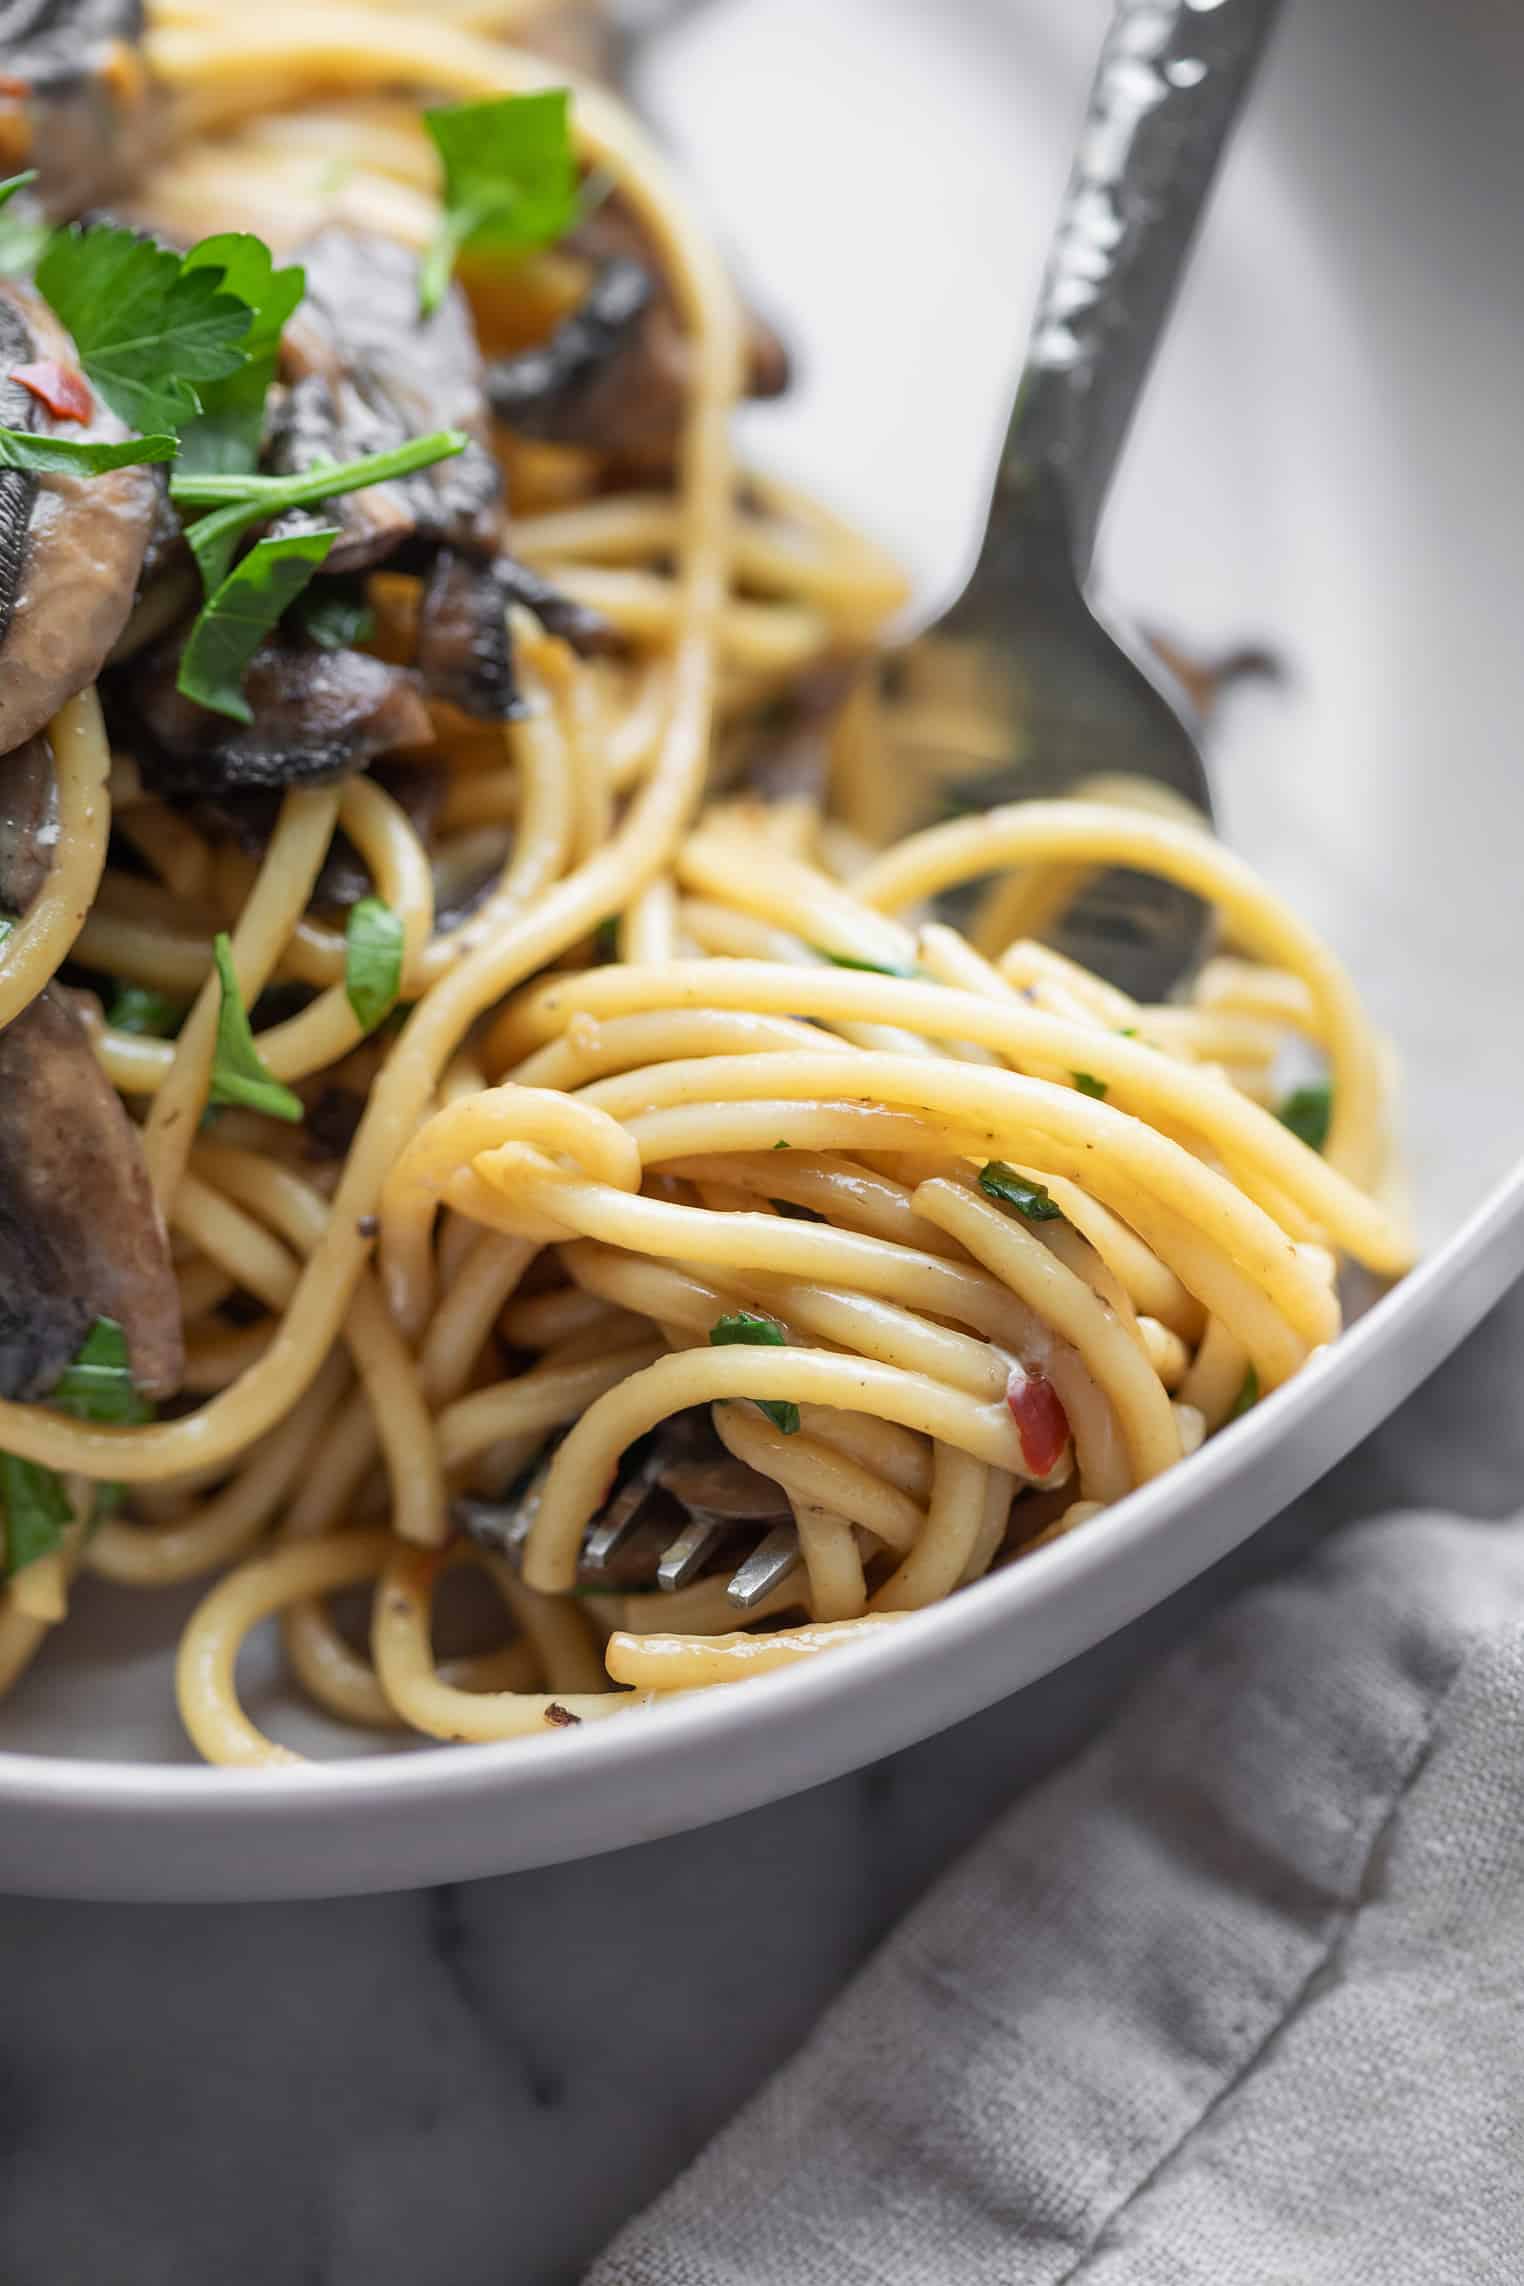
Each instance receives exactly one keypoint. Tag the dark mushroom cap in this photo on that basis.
(75, 571)
(366, 372)
(317, 714)
(80, 1234)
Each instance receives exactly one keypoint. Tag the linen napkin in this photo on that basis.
(1235, 2000)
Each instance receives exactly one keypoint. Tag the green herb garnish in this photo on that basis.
(22, 237)
(78, 456)
(510, 181)
(1308, 1112)
(1247, 1398)
(336, 616)
(37, 1511)
(1088, 1084)
(138, 1008)
(226, 434)
(148, 324)
(870, 967)
(606, 938)
(1008, 1189)
(372, 961)
(782, 1143)
(97, 1386)
(239, 501)
(238, 1075)
(746, 1327)
(237, 617)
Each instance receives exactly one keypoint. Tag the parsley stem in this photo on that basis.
(273, 494)
(256, 499)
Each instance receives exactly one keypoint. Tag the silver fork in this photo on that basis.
(1073, 697)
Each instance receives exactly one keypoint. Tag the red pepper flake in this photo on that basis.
(1041, 1422)
(65, 392)
(561, 1717)
(10, 85)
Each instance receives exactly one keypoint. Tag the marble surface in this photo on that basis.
(479, 2084)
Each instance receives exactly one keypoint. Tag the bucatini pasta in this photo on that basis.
(482, 1107)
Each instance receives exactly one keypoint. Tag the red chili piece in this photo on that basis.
(1041, 1422)
(65, 392)
(11, 85)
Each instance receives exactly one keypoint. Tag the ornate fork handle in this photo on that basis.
(1169, 84)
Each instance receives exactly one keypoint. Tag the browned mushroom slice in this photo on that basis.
(80, 1234)
(366, 372)
(74, 97)
(613, 377)
(28, 823)
(69, 565)
(463, 651)
(317, 715)
(586, 630)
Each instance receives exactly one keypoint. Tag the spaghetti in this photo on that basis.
(692, 1113)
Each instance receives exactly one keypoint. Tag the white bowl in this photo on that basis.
(1329, 460)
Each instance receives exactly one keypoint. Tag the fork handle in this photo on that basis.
(1171, 80)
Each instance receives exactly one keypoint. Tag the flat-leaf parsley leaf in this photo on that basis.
(148, 324)
(238, 1075)
(510, 180)
(372, 961)
(755, 1332)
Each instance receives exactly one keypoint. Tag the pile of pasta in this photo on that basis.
(699, 1055)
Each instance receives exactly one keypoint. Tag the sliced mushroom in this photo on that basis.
(587, 631)
(463, 651)
(80, 1234)
(19, 409)
(70, 546)
(366, 372)
(28, 823)
(74, 97)
(317, 714)
(613, 376)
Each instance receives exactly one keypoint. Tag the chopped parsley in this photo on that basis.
(238, 615)
(782, 1144)
(78, 456)
(238, 1075)
(510, 180)
(372, 961)
(755, 1332)
(335, 615)
(225, 435)
(871, 967)
(22, 236)
(149, 324)
(606, 938)
(97, 1386)
(1088, 1084)
(1247, 1398)
(1308, 1112)
(152, 1015)
(37, 1511)
(1008, 1189)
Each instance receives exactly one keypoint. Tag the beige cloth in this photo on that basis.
(1237, 2000)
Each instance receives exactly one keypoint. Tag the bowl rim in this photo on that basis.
(1484, 1255)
